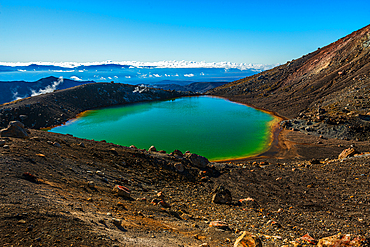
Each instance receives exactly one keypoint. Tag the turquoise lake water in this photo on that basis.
(212, 127)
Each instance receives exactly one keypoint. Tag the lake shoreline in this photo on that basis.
(277, 143)
(230, 141)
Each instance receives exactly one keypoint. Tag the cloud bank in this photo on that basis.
(49, 89)
(159, 64)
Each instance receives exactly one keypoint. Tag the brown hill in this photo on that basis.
(330, 86)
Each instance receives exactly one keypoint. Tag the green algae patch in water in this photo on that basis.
(212, 127)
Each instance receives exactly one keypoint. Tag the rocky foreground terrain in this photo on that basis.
(58, 190)
(310, 189)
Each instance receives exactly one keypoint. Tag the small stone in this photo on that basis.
(249, 202)
(204, 245)
(179, 167)
(221, 195)
(308, 238)
(90, 184)
(122, 191)
(22, 222)
(248, 239)
(138, 213)
(152, 149)
(347, 153)
(155, 201)
(36, 138)
(160, 195)
(219, 225)
(133, 147)
(116, 222)
(99, 173)
(81, 144)
(23, 117)
(177, 153)
(30, 177)
(55, 144)
(164, 204)
(2, 143)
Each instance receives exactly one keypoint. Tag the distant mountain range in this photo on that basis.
(196, 87)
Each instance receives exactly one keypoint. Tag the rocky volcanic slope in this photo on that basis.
(55, 108)
(327, 92)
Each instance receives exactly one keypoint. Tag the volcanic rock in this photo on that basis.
(249, 203)
(15, 129)
(177, 153)
(221, 195)
(248, 239)
(122, 191)
(342, 240)
(219, 225)
(197, 160)
(179, 167)
(347, 153)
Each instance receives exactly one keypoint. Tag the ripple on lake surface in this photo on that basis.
(212, 127)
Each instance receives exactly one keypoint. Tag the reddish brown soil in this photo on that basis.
(322, 196)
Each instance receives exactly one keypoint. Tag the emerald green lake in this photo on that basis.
(212, 127)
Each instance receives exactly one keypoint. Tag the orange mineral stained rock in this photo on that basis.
(122, 191)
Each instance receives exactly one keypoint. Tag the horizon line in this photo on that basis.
(157, 64)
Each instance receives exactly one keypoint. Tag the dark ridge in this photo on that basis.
(55, 108)
(11, 90)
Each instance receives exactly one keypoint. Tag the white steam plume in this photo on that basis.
(49, 89)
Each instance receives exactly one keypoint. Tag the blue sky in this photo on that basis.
(267, 32)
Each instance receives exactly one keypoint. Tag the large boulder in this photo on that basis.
(197, 160)
(15, 129)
